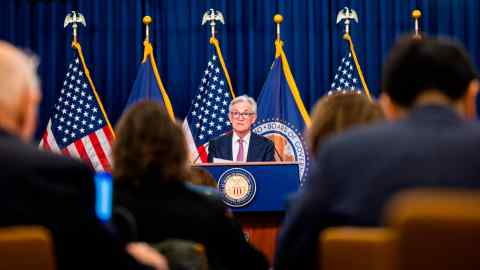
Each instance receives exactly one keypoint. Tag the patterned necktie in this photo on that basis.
(240, 150)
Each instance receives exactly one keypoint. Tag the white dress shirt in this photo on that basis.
(236, 146)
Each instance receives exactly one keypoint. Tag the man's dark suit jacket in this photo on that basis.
(356, 173)
(259, 148)
(40, 188)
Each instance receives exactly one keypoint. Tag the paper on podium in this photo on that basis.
(221, 160)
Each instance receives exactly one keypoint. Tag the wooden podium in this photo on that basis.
(258, 203)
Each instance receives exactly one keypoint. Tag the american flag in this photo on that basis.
(346, 78)
(78, 127)
(208, 114)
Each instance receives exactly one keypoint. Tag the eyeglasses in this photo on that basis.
(243, 114)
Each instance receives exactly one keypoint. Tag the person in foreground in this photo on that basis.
(150, 167)
(241, 145)
(429, 89)
(334, 114)
(40, 188)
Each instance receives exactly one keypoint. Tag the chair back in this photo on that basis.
(23, 248)
(359, 248)
(437, 229)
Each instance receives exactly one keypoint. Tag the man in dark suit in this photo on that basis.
(241, 144)
(40, 188)
(429, 89)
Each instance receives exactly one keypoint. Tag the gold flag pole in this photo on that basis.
(147, 20)
(148, 50)
(211, 16)
(75, 18)
(278, 19)
(148, 54)
(348, 15)
(416, 15)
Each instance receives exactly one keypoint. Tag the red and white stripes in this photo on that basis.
(95, 148)
(197, 154)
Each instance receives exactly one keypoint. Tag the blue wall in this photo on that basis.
(112, 41)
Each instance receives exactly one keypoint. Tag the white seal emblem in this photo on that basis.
(289, 143)
(237, 186)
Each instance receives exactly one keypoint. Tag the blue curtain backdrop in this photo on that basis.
(112, 41)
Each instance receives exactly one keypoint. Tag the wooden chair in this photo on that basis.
(347, 248)
(426, 229)
(23, 248)
(437, 229)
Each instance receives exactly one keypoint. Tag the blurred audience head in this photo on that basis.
(148, 144)
(19, 91)
(338, 112)
(428, 71)
(200, 176)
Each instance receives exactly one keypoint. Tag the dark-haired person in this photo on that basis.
(429, 89)
(338, 112)
(150, 166)
(241, 145)
(202, 181)
(200, 176)
(46, 189)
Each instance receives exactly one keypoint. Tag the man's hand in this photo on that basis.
(147, 255)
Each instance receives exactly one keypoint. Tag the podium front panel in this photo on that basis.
(274, 182)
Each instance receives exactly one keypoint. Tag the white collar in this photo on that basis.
(246, 139)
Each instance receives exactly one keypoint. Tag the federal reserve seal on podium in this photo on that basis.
(237, 186)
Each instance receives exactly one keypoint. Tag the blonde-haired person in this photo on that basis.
(335, 113)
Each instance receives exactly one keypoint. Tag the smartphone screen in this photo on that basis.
(103, 196)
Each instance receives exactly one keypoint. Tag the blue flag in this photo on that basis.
(281, 115)
(148, 85)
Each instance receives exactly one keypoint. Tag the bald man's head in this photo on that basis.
(19, 91)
